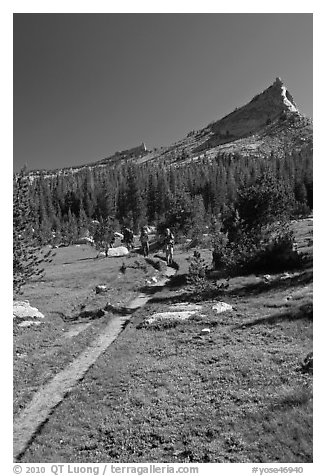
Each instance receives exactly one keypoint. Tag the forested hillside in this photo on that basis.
(187, 185)
(134, 194)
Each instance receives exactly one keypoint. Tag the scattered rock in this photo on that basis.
(185, 306)
(222, 307)
(23, 310)
(116, 252)
(182, 315)
(29, 323)
(101, 288)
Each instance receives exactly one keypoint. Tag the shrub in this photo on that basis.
(104, 234)
(185, 217)
(269, 250)
(255, 235)
(275, 252)
(197, 270)
(219, 250)
(307, 364)
(265, 201)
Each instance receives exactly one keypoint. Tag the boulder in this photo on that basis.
(23, 310)
(205, 331)
(222, 307)
(101, 288)
(185, 306)
(116, 252)
(29, 323)
(175, 315)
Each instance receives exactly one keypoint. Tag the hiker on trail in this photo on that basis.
(112, 241)
(128, 237)
(169, 244)
(144, 240)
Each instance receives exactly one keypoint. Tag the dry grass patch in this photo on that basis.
(165, 395)
(68, 286)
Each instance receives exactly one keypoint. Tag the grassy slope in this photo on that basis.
(162, 394)
(69, 281)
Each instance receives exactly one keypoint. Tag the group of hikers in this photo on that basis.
(168, 241)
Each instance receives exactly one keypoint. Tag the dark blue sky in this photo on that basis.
(87, 85)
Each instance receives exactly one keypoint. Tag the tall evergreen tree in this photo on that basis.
(26, 250)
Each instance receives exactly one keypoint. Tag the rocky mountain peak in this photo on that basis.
(278, 81)
(259, 112)
(270, 122)
(281, 93)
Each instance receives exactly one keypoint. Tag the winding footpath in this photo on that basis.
(38, 411)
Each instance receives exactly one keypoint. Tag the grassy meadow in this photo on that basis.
(166, 392)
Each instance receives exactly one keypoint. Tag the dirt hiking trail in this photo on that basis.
(51, 395)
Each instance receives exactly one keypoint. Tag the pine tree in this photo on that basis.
(135, 203)
(26, 251)
(104, 234)
(151, 198)
(72, 228)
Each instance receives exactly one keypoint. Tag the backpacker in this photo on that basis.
(170, 239)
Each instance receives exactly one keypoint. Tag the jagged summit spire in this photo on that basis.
(286, 97)
(259, 112)
(278, 81)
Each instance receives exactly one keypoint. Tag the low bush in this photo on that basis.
(255, 235)
(269, 249)
(198, 281)
(197, 271)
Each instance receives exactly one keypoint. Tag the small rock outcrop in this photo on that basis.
(222, 307)
(101, 288)
(22, 310)
(116, 252)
